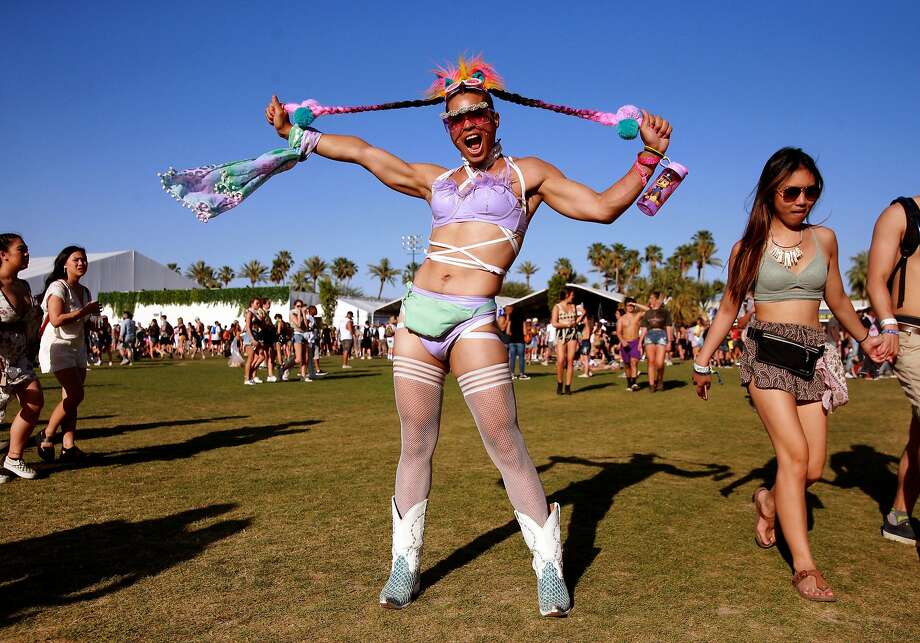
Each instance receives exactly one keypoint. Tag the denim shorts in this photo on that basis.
(657, 336)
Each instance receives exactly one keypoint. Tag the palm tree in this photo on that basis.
(383, 271)
(409, 271)
(281, 266)
(858, 275)
(528, 270)
(300, 281)
(704, 249)
(618, 253)
(225, 275)
(682, 259)
(603, 263)
(343, 269)
(255, 271)
(201, 273)
(653, 256)
(563, 267)
(175, 268)
(315, 267)
(632, 265)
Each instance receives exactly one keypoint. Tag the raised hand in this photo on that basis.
(277, 117)
(655, 131)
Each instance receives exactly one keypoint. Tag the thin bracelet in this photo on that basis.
(891, 331)
(888, 321)
(864, 338)
(651, 149)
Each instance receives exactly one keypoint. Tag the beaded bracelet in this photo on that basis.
(890, 331)
(702, 370)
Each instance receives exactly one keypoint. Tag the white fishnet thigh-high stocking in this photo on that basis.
(418, 388)
(489, 395)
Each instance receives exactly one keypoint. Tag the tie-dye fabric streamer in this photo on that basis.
(211, 190)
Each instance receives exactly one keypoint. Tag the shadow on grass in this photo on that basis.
(97, 559)
(348, 376)
(590, 500)
(864, 468)
(119, 429)
(193, 446)
(592, 387)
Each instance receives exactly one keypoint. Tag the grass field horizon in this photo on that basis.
(217, 511)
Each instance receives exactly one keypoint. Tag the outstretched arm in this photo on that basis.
(413, 179)
(578, 201)
(883, 257)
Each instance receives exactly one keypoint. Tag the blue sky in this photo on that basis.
(96, 99)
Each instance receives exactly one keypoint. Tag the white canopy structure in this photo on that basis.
(120, 271)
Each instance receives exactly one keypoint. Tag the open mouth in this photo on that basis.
(473, 143)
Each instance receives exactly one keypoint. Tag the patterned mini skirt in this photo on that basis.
(828, 384)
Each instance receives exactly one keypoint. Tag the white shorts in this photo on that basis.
(391, 341)
(57, 356)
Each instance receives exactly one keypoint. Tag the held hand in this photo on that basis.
(702, 383)
(875, 348)
(891, 345)
(655, 131)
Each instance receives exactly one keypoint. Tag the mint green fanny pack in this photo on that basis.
(434, 318)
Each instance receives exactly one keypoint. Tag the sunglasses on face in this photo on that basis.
(477, 118)
(792, 193)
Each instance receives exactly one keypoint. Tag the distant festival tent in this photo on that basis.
(121, 271)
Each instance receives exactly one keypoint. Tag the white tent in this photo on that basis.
(121, 271)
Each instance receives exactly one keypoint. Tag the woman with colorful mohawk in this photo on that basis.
(480, 212)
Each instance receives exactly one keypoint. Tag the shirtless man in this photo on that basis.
(657, 335)
(894, 290)
(630, 349)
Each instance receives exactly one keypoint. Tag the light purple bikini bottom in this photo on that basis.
(439, 348)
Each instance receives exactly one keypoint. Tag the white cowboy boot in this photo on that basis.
(546, 546)
(403, 583)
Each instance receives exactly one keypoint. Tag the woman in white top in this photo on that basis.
(67, 304)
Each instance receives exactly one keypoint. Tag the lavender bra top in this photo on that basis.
(482, 197)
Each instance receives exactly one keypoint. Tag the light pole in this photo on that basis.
(412, 244)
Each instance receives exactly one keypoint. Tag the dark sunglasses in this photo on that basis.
(792, 193)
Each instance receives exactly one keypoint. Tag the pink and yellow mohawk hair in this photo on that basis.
(474, 73)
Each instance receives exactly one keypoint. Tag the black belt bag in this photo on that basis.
(795, 357)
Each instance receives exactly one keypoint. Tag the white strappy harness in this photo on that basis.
(443, 256)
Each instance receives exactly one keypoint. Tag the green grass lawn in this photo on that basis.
(218, 511)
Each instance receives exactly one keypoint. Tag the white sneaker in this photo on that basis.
(306, 379)
(523, 377)
(284, 376)
(271, 379)
(346, 366)
(584, 375)
(256, 380)
(123, 362)
(249, 383)
(19, 468)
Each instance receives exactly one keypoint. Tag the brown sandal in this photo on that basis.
(760, 543)
(820, 584)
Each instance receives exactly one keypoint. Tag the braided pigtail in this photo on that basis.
(303, 114)
(627, 119)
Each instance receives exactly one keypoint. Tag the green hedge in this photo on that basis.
(121, 301)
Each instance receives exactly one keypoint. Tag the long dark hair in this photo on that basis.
(59, 272)
(784, 162)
